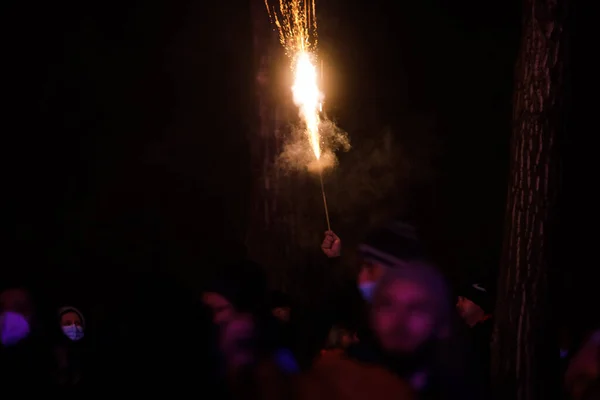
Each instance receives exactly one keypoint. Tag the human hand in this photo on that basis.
(332, 245)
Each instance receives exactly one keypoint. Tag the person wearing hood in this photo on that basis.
(71, 352)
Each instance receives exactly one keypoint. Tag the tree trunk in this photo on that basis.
(524, 352)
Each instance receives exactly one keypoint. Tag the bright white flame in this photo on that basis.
(307, 97)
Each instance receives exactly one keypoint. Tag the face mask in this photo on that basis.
(13, 328)
(73, 332)
(367, 289)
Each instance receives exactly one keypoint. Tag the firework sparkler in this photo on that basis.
(297, 25)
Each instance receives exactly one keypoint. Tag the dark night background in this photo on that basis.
(125, 134)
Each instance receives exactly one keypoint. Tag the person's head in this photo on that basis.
(240, 288)
(72, 323)
(280, 306)
(282, 313)
(411, 308)
(473, 304)
(16, 314)
(221, 307)
(394, 244)
(237, 302)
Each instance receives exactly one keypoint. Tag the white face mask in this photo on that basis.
(73, 332)
(13, 328)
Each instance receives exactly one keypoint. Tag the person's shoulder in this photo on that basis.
(346, 378)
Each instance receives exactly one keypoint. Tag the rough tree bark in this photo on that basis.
(524, 350)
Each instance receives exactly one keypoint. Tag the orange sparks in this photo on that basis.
(297, 25)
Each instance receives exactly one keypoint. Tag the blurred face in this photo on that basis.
(236, 330)
(470, 312)
(282, 313)
(72, 325)
(404, 317)
(222, 309)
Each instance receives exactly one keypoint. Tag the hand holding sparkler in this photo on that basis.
(332, 245)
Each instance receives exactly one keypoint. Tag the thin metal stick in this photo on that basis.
(324, 199)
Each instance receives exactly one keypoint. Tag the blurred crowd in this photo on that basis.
(417, 338)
